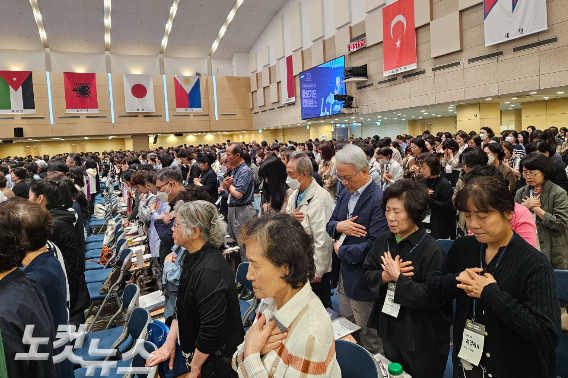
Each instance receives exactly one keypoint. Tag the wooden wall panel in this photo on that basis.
(318, 52)
(279, 37)
(342, 13)
(446, 35)
(316, 19)
(295, 19)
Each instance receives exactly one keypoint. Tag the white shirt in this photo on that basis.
(354, 198)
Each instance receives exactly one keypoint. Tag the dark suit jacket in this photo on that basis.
(354, 250)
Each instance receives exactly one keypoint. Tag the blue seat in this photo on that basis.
(562, 348)
(99, 275)
(355, 360)
(449, 372)
(247, 310)
(445, 244)
(94, 238)
(91, 265)
(121, 338)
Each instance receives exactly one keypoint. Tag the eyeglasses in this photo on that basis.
(176, 226)
(161, 186)
(531, 174)
(346, 179)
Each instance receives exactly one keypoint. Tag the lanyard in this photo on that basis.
(413, 248)
(494, 270)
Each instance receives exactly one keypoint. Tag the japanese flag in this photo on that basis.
(139, 93)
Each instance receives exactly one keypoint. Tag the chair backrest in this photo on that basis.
(119, 244)
(138, 362)
(138, 323)
(242, 271)
(445, 244)
(562, 284)
(355, 360)
(129, 299)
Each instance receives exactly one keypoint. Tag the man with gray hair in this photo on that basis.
(312, 206)
(356, 222)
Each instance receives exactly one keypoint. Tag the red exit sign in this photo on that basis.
(357, 45)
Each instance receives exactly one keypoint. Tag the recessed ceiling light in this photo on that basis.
(413, 116)
(488, 98)
(368, 119)
(423, 111)
(513, 105)
(533, 92)
(560, 92)
(546, 98)
(439, 115)
(352, 117)
(514, 98)
(404, 119)
(297, 124)
(336, 119)
(321, 121)
(379, 116)
(507, 102)
(419, 117)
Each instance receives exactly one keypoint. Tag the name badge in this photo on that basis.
(472, 343)
(448, 168)
(391, 308)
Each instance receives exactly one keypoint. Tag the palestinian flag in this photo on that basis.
(188, 93)
(16, 92)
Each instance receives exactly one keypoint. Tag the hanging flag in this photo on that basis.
(287, 80)
(16, 92)
(139, 93)
(188, 93)
(506, 19)
(399, 37)
(80, 92)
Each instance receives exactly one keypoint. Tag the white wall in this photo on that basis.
(240, 64)
(358, 14)
(77, 62)
(221, 67)
(184, 66)
(20, 60)
(386, 130)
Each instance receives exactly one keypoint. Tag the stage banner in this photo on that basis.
(510, 19)
(287, 81)
(16, 92)
(80, 92)
(139, 93)
(399, 37)
(188, 93)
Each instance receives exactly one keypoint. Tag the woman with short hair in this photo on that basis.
(495, 156)
(208, 178)
(417, 147)
(549, 205)
(292, 324)
(207, 316)
(505, 291)
(413, 334)
(18, 176)
(442, 219)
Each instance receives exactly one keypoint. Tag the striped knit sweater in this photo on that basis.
(309, 349)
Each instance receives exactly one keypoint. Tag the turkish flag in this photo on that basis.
(80, 92)
(399, 37)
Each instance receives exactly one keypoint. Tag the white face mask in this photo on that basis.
(490, 159)
(293, 183)
(163, 196)
(382, 161)
(510, 139)
(483, 136)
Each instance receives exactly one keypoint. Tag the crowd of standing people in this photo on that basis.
(361, 216)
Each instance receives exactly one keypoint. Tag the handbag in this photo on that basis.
(157, 334)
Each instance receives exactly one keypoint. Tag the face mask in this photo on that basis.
(383, 161)
(293, 183)
(163, 196)
(510, 139)
(490, 159)
(223, 169)
(483, 136)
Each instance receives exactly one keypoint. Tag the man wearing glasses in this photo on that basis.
(354, 225)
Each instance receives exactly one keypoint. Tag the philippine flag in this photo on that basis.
(139, 93)
(188, 93)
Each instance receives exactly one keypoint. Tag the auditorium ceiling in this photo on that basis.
(137, 27)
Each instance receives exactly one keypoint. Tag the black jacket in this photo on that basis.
(208, 310)
(64, 237)
(210, 183)
(522, 310)
(419, 326)
(442, 213)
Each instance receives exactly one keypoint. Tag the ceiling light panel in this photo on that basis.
(39, 23)
(169, 24)
(107, 23)
(223, 29)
